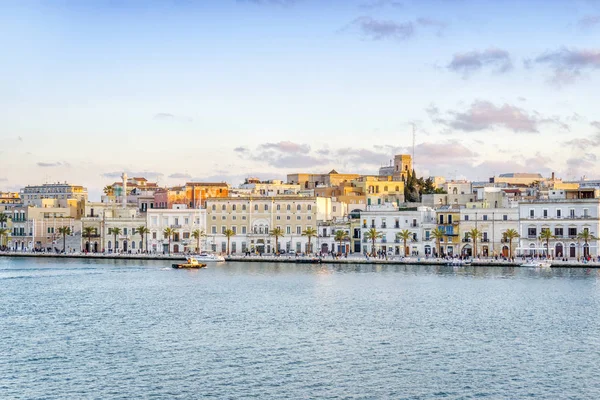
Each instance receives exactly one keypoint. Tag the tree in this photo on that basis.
(586, 236)
(546, 235)
(309, 232)
(340, 236)
(372, 235)
(144, 231)
(168, 233)
(197, 234)
(276, 233)
(510, 235)
(108, 190)
(3, 219)
(474, 234)
(3, 236)
(88, 231)
(228, 234)
(64, 231)
(438, 234)
(114, 231)
(404, 235)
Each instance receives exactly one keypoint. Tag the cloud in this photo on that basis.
(241, 149)
(383, 29)
(53, 164)
(568, 64)
(373, 4)
(3, 180)
(582, 164)
(180, 175)
(433, 23)
(589, 21)
(483, 115)
(145, 174)
(172, 117)
(297, 161)
(286, 147)
(466, 63)
(586, 143)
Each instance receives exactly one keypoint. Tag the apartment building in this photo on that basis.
(492, 223)
(183, 221)
(253, 218)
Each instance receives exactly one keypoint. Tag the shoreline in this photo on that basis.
(302, 260)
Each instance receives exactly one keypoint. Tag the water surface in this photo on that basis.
(122, 329)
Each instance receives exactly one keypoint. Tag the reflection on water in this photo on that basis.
(122, 329)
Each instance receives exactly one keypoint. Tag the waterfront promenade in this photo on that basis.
(301, 259)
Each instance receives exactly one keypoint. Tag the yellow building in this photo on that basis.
(380, 190)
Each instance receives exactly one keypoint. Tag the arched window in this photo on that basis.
(243, 207)
(256, 207)
(298, 207)
(223, 207)
(109, 245)
(132, 245)
(214, 207)
(288, 207)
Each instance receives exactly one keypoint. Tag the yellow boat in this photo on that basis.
(190, 263)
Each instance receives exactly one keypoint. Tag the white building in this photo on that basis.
(390, 221)
(566, 219)
(183, 221)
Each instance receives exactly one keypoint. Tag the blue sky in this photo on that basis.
(221, 90)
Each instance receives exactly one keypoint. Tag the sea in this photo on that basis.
(123, 329)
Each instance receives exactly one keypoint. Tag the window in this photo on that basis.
(223, 228)
(223, 217)
(532, 232)
(545, 213)
(214, 217)
(531, 213)
(288, 230)
(441, 219)
(288, 207)
(234, 217)
(278, 207)
(309, 207)
(243, 217)
(299, 230)
(124, 231)
(586, 212)
(558, 213)
(234, 207)
(186, 235)
(278, 217)
(485, 217)
(449, 219)
(505, 217)
(213, 229)
(558, 232)
(243, 230)
(572, 232)
(334, 208)
(298, 207)
(223, 207)
(266, 207)
(256, 207)
(176, 221)
(243, 207)
(234, 229)
(466, 217)
(214, 207)
(153, 235)
(572, 212)
(186, 221)
(298, 217)
(288, 217)
(309, 217)
(154, 221)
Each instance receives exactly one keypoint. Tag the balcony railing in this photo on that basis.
(485, 240)
(176, 226)
(383, 226)
(466, 240)
(414, 225)
(396, 225)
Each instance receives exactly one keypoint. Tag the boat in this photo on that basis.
(311, 260)
(456, 262)
(191, 263)
(537, 264)
(207, 257)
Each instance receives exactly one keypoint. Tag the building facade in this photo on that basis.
(183, 222)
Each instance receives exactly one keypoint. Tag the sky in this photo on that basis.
(182, 90)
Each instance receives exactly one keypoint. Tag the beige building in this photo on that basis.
(103, 217)
(492, 223)
(252, 218)
(56, 195)
(311, 181)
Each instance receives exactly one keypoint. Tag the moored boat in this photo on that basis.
(191, 263)
(207, 257)
(457, 262)
(537, 264)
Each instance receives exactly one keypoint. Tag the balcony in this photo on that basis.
(397, 240)
(466, 240)
(384, 240)
(531, 236)
(176, 226)
(397, 226)
(414, 225)
(414, 240)
(364, 225)
(383, 226)
(485, 240)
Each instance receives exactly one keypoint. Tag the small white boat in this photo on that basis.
(537, 264)
(207, 257)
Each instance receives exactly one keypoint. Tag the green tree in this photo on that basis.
(276, 233)
(373, 234)
(108, 190)
(546, 235)
(586, 236)
(340, 236)
(114, 231)
(309, 232)
(197, 234)
(405, 236)
(64, 231)
(168, 234)
(474, 234)
(88, 231)
(3, 219)
(438, 234)
(143, 232)
(228, 234)
(510, 235)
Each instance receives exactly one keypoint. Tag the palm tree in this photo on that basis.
(404, 235)
(64, 231)
(586, 236)
(339, 237)
(168, 232)
(546, 235)
(197, 234)
(509, 235)
(144, 231)
(309, 232)
(3, 236)
(438, 234)
(373, 234)
(88, 231)
(108, 190)
(474, 234)
(276, 233)
(228, 234)
(114, 231)
(3, 219)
